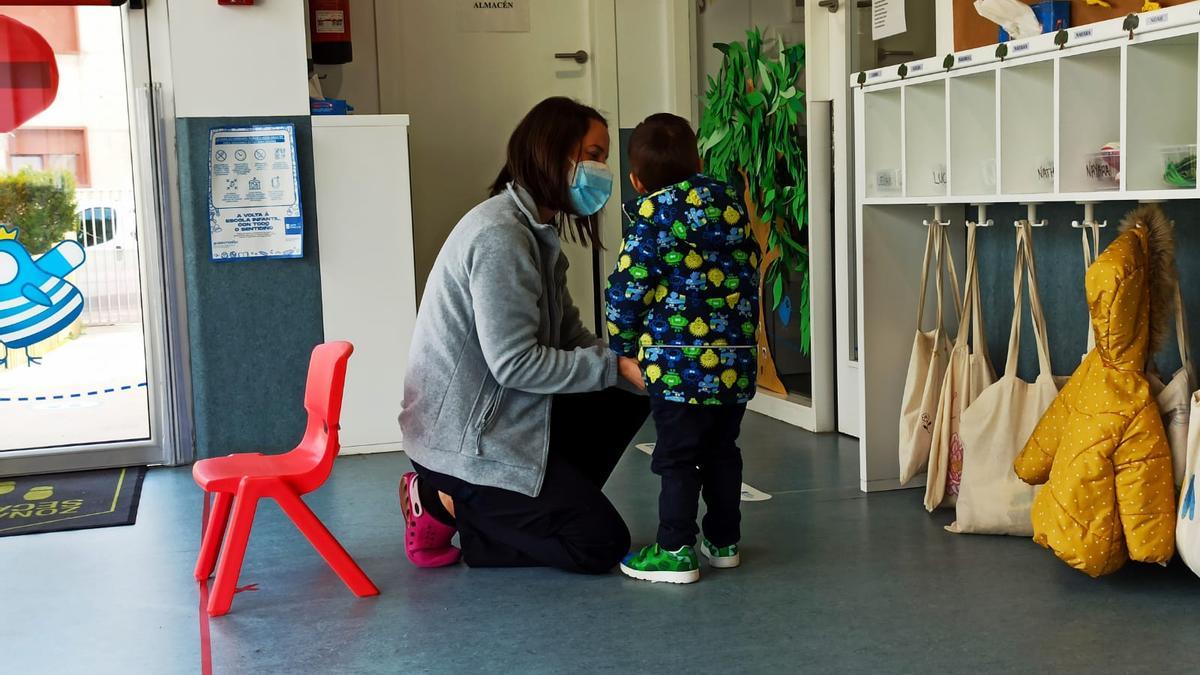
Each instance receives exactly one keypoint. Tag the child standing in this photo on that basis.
(684, 301)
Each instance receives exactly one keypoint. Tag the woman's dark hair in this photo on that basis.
(539, 157)
(662, 151)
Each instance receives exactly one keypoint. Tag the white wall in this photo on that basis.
(728, 21)
(238, 60)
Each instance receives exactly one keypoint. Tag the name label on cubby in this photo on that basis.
(966, 58)
(874, 75)
(1157, 19)
(1045, 172)
(1100, 171)
(1018, 48)
(1084, 33)
(916, 68)
(939, 176)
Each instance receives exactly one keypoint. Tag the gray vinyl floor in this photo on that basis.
(832, 581)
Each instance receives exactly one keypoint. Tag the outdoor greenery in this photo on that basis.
(750, 134)
(41, 204)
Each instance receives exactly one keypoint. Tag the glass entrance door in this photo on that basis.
(82, 352)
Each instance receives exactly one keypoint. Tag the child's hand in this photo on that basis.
(631, 371)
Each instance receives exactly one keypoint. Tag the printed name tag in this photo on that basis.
(1085, 33)
(966, 58)
(1024, 46)
(1159, 18)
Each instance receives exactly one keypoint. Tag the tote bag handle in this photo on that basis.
(972, 311)
(1090, 235)
(1025, 267)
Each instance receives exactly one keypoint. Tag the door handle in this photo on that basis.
(579, 57)
(831, 5)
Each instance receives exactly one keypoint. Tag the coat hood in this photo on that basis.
(1131, 290)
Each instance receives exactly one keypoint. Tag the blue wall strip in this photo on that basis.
(253, 323)
(1059, 257)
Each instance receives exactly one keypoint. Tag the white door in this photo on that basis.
(839, 43)
(465, 92)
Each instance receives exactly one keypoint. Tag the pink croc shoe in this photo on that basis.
(426, 540)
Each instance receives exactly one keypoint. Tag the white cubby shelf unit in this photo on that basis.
(1090, 114)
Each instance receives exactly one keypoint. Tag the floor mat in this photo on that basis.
(56, 502)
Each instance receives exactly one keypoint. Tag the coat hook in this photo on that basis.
(1089, 217)
(983, 220)
(937, 217)
(1031, 217)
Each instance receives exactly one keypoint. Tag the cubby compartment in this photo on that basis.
(925, 139)
(1161, 114)
(1090, 122)
(1027, 128)
(884, 154)
(973, 134)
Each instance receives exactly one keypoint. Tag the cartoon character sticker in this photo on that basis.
(36, 300)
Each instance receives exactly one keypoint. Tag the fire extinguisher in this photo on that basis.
(330, 23)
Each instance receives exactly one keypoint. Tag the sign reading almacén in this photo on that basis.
(493, 16)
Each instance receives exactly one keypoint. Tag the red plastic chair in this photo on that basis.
(239, 481)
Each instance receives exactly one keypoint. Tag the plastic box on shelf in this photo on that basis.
(1179, 166)
(925, 139)
(1089, 121)
(1161, 107)
(1103, 170)
(884, 172)
(1027, 163)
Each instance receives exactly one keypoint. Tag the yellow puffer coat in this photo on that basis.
(1100, 448)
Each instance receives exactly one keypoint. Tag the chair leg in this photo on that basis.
(214, 532)
(329, 548)
(233, 551)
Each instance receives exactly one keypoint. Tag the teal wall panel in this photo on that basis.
(251, 324)
(1059, 256)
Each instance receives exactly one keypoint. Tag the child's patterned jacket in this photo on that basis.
(684, 296)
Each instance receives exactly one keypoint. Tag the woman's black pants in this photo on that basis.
(570, 525)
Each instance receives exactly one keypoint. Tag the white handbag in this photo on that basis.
(927, 363)
(996, 426)
(1174, 397)
(1187, 527)
(968, 372)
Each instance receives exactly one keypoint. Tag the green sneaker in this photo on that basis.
(723, 557)
(654, 564)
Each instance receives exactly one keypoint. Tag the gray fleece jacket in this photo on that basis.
(496, 336)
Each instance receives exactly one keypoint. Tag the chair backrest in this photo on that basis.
(323, 401)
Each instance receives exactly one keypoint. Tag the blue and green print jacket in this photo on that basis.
(683, 299)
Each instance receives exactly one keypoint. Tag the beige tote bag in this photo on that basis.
(1174, 397)
(968, 372)
(1187, 526)
(927, 363)
(995, 427)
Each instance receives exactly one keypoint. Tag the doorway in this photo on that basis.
(483, 80)
(83, 368)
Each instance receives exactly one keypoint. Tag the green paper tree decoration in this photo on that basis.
(750, 134)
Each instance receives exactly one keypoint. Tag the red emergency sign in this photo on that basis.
(28, 74)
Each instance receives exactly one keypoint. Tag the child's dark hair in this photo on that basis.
(662, 151)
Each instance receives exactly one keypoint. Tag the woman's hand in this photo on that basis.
(630, 370)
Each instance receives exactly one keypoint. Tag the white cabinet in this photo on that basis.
(368, 290)
(1091, 114)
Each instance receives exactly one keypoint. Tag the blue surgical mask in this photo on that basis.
(591, 186)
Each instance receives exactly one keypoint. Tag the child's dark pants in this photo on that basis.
(697, 453)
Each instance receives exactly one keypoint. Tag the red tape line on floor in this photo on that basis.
(205, 639)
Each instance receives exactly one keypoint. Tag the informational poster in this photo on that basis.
(254, 193)
(493, 16)
(887, 19)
